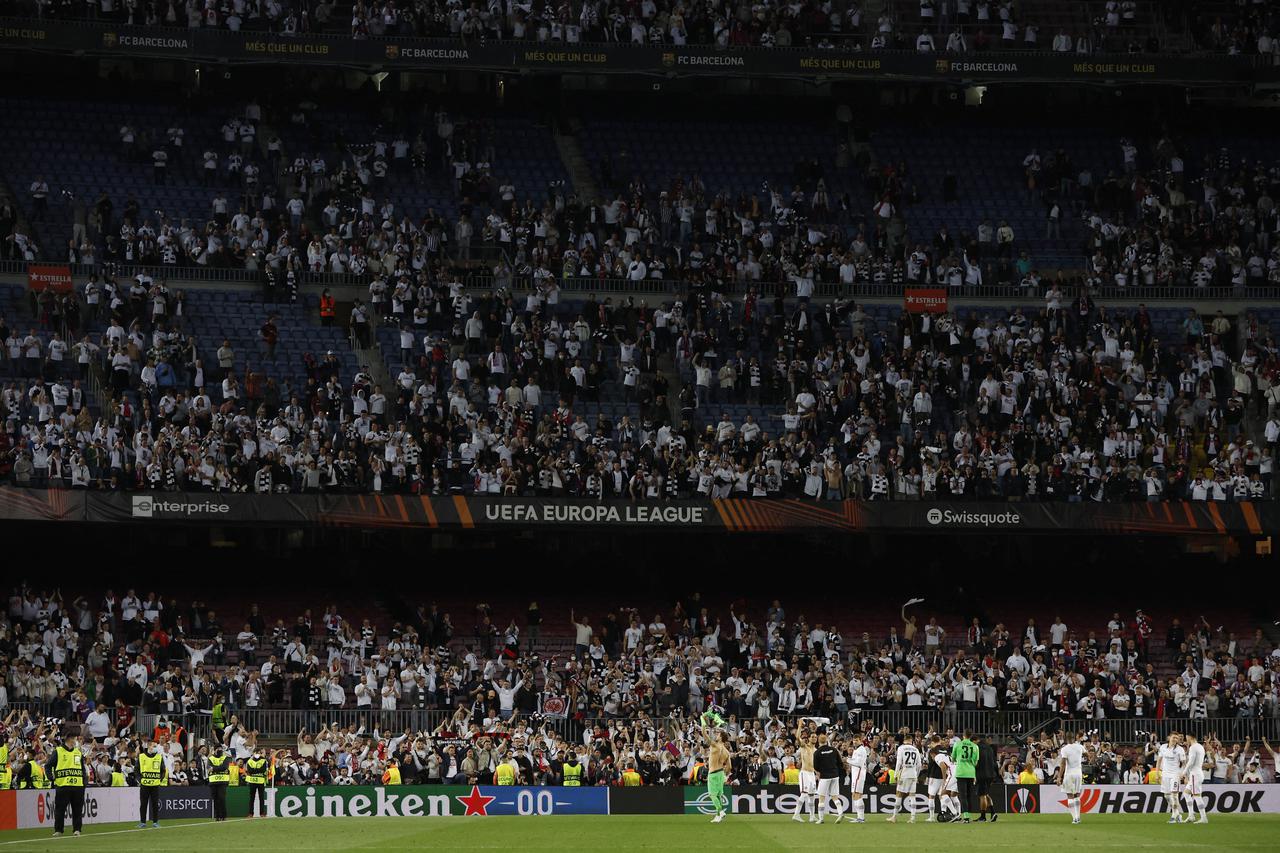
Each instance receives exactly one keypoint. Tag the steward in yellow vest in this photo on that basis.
(572, 771)
(631, 779)
(255, 774)
(391, 776)
(6, 775)
(219, 777)
(504, 774)
(152, 774)
(791, 775)
(67, 769)
(39, 777)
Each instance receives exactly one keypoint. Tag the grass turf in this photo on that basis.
(692, 832)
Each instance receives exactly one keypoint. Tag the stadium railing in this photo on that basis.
(1011, 724)
(672, 286)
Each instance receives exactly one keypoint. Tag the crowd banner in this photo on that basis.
(42, 505)
(111, 39)
(101, 805)
(737, 515)
(925, 300)
(423, 801)
(185, 801)
(1147, 799)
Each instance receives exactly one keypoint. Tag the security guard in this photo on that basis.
(572, 771)
(39, 776)
(504, 774)
(391, 776)
(117, 776)
(66, 766)
(631, 778)
(219, 715)
(6, 775)
(152, 773)
(219, 778)
(327, 308)
(255, 773)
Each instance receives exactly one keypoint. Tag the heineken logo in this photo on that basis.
(358, 802)
(426, 801)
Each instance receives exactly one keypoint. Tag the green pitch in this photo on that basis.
(675, 833)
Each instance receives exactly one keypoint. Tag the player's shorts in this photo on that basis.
(1194, 783)
(1072, 782)
(907, 784)
(1169, 783)
(808, 782)
(828, 787)
(950, 785)
(935, 786)
(857, 779)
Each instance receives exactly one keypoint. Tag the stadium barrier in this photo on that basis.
(422, 801)
(1005, 725)
(483, 282)
(735, 515)
(1147, 799)
(185, 801)
(880, 798)
(35, 809)
(30, 809)
(99, 38)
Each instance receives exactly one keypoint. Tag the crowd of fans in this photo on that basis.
(982, 24)
(1074, 402)
(1166, 214)
(631, 691)
(1245, 29)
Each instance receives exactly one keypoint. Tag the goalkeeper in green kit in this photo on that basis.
(717, 762)
(965, 757)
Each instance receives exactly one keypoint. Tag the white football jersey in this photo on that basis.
(908, 759)
(1072, 756)
(858, 758)
(1171, 758)
(1195, 758)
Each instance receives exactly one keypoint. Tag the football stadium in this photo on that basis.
(639, 425)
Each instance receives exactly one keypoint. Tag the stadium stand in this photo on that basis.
(1119, 26)
(503, 680)
(1071, 401)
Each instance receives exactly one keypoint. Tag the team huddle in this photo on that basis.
(959, 771)
(824, 758)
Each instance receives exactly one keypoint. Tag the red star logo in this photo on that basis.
(476, 803)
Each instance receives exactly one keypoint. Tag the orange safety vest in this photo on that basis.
(326, 306)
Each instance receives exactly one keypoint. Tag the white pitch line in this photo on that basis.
(68, 834)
